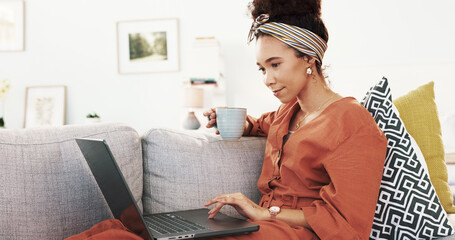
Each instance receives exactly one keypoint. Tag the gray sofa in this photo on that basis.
(47, 190)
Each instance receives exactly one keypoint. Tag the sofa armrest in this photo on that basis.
(47, 189)
(183, 169)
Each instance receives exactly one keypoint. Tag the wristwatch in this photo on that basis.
(274, 210)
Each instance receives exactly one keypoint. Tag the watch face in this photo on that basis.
(274, 209)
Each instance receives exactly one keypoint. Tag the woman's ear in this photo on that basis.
(312, 60)
(309, 60)
(310, 63)
(306, 59)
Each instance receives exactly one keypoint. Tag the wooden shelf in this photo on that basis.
(450, 158)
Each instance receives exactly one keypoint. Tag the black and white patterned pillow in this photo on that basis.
(408, 207)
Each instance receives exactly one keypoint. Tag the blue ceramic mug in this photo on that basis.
(230, 122)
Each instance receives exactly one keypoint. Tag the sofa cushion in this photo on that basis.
(419, 113)
(408, 207)
(47, 190)
(184, 169)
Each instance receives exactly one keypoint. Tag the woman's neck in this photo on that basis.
(316, 95)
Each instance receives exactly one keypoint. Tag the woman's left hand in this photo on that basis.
(241, 203)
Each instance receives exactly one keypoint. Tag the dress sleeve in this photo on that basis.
(348, 203)
(260, 126)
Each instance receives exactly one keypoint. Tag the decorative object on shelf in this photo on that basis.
(147, 46)
(194, 98)
(4, 89)
(205, 61)
(196, 81)
(45, 106)
(205, 69)
(448, 136)
(11, 25)
(92, 118)
(450, 158)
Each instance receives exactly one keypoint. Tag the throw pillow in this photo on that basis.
(408, 207)
(419, 113)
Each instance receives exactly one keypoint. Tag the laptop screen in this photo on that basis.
(113, 185)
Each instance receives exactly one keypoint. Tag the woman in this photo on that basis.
(324, 153)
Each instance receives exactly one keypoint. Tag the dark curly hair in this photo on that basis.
(301, 13)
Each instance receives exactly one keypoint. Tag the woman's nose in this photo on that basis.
(268, 79)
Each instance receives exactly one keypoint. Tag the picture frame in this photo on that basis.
(11, 25)
(45, 106)
(146, 46)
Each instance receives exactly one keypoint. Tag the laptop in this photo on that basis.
(172, 225)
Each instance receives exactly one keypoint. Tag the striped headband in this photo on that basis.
(301, 39)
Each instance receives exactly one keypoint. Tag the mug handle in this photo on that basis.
(208, 118)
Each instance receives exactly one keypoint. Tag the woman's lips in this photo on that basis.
(277, 92)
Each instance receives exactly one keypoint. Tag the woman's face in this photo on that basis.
(284, 73)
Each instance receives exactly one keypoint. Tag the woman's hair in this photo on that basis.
(301, 13)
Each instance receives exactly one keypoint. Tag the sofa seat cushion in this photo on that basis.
(47, 190)
(184, 169)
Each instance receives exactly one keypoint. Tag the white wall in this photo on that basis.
(74, 43)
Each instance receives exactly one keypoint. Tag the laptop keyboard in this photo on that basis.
(169, 223)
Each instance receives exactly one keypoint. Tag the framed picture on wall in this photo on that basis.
(45, 106)
(147, 46)
(11, 25)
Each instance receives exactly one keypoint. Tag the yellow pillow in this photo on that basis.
(420, 116)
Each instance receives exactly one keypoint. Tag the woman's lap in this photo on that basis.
(273, 229)
(269, 229)
(108, 229)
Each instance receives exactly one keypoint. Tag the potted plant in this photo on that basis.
(92, 118)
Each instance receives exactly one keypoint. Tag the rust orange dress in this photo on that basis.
(330, 168)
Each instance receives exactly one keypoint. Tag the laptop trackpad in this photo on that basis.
(203, 227)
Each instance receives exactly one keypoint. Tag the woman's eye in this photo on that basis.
(261, 69)
(275, 65)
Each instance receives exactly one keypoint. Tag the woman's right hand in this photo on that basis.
(211, 115)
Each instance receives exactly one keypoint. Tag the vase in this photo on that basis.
(191, 122)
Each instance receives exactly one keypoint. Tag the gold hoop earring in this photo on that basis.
(309, 71)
